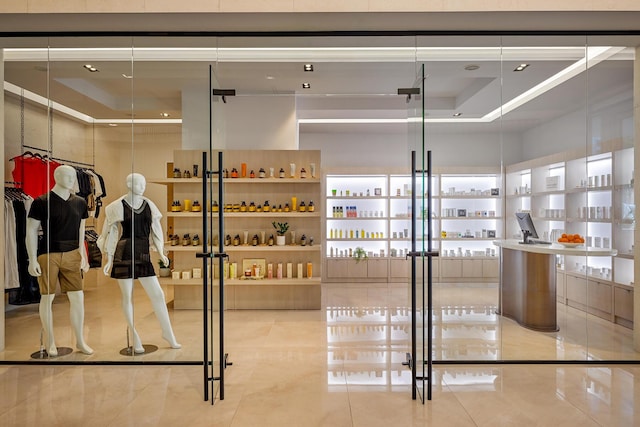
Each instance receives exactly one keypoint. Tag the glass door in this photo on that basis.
(214, 256)
(421, 246)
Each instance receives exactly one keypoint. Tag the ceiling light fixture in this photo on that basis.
(457, 114)
(308, 67)
(165, 114)
(306, 85)
(90, 68)
(126, 76)
(113, 125)
(521, 67)
(270, 78)
(471, 67)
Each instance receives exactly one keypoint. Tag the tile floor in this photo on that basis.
(339, 366)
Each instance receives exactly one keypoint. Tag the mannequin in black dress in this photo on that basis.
(128, 255)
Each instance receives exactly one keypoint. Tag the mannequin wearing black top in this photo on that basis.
(128, 255)
(60, 254)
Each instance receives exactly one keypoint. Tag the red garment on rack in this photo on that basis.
(34, 175)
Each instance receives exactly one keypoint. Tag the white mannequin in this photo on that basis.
(136, 184)
(65, 178)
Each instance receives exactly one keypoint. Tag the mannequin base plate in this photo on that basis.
(148, 348)
(62, 351)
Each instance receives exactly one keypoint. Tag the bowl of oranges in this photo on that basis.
(571, 240)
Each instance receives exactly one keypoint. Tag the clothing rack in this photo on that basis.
(35, 148)
(57, 159)
(73, 162)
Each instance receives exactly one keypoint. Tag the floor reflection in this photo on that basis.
(368, 316)
(339, 366)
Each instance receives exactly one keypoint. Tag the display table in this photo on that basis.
(528, 281)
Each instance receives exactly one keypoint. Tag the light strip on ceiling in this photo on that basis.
(16, 90)
(594, 56)
(351, 121)
(282, 54)
(57, 107)
(138, 121)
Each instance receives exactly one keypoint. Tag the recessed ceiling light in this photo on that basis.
(306, 85)
(126, 76)
(471, 67)
(270, 78)
(164, 114)
(113, 125)
(521, 67)
(90, 68)
(457, 114)
(308, 67)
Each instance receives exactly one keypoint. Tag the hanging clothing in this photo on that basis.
(90, 186)
(23, 288)
(33, 173)
(93, 252)
(11, 278)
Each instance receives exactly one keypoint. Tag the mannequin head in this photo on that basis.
(65, 177)
(136, 183)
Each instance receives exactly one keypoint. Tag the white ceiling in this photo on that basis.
(347, 84)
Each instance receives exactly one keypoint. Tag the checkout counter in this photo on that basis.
(528, 281)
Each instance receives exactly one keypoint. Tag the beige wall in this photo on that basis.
(161, 6)
(71, 139)
(48, 16)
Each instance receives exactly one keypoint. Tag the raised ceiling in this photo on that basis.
(353, 77)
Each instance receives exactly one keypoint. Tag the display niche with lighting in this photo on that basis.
(368, 225)
(592, 196)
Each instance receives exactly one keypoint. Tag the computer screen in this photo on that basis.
(527, 227)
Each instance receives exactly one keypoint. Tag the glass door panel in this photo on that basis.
(215, 195)
(27, 140)
(83, 90)
(419, 279)
(462, 132)
(548, 183)
(611, 95)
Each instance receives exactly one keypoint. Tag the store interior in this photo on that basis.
(538, 124)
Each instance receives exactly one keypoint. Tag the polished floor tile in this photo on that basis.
(339, 366)
(277, 395)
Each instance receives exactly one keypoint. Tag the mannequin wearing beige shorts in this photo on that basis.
(60, 254)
